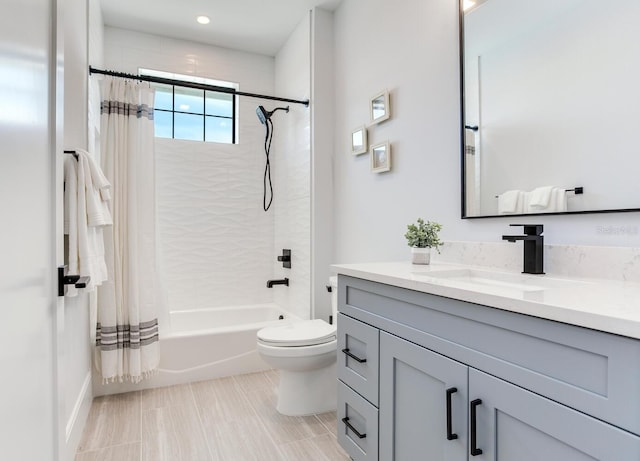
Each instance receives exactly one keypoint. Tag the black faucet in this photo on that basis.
(533, 247)
(271, 283)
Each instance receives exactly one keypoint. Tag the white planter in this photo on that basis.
(420, 255)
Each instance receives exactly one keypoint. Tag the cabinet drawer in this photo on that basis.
(358, 349)
(357, 425)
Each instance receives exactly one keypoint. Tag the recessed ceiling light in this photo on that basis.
(466, 4)
(203, 19)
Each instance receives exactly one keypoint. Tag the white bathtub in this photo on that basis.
(206, 344)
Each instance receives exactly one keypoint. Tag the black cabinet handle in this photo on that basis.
(354, 357)
(475, 451)
(450, 434)
(353, 429)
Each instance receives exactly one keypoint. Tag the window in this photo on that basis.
(193, 114)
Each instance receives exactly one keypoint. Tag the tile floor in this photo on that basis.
(226, 419)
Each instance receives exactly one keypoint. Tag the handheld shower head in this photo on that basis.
(264, 115)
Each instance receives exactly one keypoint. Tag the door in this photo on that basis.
(423, 404)
(29, 244)
(513, 424)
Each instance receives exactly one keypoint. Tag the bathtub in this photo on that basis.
(207, 344)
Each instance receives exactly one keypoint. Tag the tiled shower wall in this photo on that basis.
(291, 163)
(216, 242)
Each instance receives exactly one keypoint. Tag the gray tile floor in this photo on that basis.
(226, 419)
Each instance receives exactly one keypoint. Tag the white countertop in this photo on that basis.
(603, 305)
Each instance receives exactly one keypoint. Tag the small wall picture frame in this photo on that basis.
(359, 141)
(379, 107)
(381, 157)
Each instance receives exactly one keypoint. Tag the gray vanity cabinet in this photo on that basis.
(446, 380)
(423, 403)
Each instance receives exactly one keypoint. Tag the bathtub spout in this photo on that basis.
(271, 283)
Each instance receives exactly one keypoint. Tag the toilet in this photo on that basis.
(304, 353)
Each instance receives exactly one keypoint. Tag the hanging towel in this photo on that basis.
(559, 199)
(85, 214)
(540, 198)
(556, 203)
(510, 202)
(97, 191)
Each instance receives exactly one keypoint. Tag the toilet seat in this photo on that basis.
(297, 334)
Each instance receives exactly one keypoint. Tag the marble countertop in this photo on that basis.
(603, 305)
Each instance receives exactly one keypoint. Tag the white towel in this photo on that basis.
(96, 191)
(510, 202)
(85, 241)
(557, 201)
(540, 197)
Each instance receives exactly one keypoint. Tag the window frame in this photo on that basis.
(204, 115)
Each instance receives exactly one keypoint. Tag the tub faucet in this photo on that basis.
(271, 283)
(533, 247)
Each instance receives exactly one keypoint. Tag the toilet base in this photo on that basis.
(308, 392)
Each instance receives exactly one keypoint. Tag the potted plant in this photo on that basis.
(421, 237)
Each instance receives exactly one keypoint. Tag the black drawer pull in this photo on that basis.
(353, 429)
(450, 434)
(475, 451)
(354, 357)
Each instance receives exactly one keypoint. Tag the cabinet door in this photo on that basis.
(423, 404)
(515, 424)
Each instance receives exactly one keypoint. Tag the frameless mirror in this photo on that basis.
(379, 107)
(551, 98)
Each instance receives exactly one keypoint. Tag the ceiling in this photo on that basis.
(257, 26)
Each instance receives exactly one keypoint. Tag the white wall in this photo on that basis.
(77, 343)
(416, 58)
(322, 116)
(216, 242)
(291, 163)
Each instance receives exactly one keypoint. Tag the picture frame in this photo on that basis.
(359, 141)
(381, 157)
(380, 107)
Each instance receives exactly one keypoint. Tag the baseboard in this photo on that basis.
(78, 418)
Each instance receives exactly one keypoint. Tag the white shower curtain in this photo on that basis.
(127, 345)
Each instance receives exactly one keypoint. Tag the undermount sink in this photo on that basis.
(501, 281)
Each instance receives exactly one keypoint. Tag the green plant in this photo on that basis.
(424, 234)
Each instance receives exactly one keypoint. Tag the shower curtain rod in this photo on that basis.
(198, 86)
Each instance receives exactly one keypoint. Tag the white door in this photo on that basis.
(29, 243)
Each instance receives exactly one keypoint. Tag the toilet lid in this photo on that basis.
(304, 333)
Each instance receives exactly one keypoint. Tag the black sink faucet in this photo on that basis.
(533, 247)
(271, 283)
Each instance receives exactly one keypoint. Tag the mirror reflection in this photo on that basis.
(550, 106)
(380, 107)
(359, 141)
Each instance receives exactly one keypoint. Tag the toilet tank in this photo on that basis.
(333, 282)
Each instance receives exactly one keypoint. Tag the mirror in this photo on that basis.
(359, 141)
(380, 108)
(381, 157)
(551, 97)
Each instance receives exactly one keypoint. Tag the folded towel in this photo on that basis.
(510, 202)
(540, 197)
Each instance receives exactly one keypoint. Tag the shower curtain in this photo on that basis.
(127, 345)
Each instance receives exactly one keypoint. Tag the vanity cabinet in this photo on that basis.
(460, 381)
